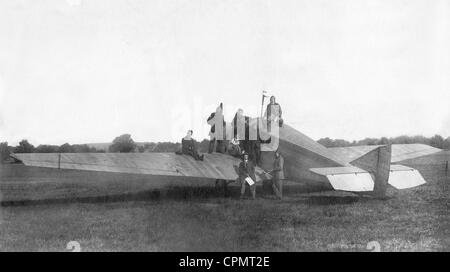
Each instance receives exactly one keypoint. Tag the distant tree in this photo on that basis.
(124, 143)
(340, 142)
(203, 146)
(402, 140)
(446, 144)
(419, 139)
(47, 149)
(141, 149)
(65, 148)
(327, 142)
(148, 147)
(4, 151)
(167, 147)
(77, 148)
(368, 141)
(437, 141)
(24, 147)
(383, 141)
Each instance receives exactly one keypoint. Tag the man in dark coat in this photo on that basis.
(278, 175)
(212, 120)
(189, 147)
(241, 130)
(273, 113)
(247, 170)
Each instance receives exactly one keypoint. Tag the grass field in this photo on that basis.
(109, 212)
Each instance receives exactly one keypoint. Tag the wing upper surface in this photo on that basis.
(214, 166)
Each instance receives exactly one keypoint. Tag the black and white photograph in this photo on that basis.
(224, 126)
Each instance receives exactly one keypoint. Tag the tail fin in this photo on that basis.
(377, 162)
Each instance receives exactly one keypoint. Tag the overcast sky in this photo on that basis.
(82, 71)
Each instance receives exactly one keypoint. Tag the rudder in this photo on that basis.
(377, 162)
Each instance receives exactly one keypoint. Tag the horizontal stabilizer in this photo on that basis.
(402, 177)
(352, 179)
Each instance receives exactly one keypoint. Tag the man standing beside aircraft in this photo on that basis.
(278, 175)
(247, 175)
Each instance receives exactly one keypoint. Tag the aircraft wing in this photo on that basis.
(400, 152)
(214, 166)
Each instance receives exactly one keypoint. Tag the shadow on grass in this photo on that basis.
(183, 193)
(331, 200)
(175, 193)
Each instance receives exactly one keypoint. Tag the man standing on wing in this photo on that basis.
(217, 118)
(273, 113)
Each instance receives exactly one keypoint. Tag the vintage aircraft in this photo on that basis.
(367, 169)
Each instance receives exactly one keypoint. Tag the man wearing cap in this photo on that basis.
(234, 149)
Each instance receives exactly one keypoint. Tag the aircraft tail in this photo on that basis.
(377, 162)
(372, 172)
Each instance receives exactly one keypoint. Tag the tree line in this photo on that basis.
(26, 147)
(122, 144)
(436, 141)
